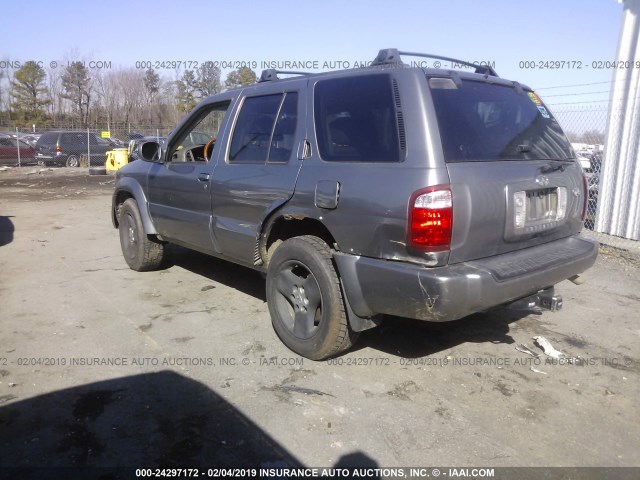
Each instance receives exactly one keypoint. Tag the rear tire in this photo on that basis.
(72, 161)
(141, 251)
(98, 171)
(305, 299)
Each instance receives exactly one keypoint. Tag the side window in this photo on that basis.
(96, 140)
(285, 131)
(5, 142)
(196, 143)
(76, 139)
(253, 130)
(48, 138)
(356, 119)
(66, 139)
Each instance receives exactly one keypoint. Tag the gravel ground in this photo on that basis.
(101, 366)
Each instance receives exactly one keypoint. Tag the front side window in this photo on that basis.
(196, 143)
(356, 119)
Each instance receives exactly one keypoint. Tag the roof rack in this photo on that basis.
(389, 56)
(271, 74)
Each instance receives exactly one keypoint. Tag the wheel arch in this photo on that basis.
(282, 225)
(128, 188)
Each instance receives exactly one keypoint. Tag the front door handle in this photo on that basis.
(203, 177)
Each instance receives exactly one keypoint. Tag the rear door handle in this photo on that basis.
(203, 177)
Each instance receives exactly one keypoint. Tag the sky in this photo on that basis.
(520, 37)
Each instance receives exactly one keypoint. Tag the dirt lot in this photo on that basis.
(103, 366)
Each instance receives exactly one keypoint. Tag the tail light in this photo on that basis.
(58, 150)
(585, 184)
(431, 219)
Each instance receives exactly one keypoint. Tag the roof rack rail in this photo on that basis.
(390, 56)
(271, 74)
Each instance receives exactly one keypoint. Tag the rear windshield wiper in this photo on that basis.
(556, 164)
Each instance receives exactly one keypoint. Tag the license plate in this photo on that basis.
(542, 206)
(536, 210)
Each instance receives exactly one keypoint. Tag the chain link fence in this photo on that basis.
(75, 145)
(586, 127)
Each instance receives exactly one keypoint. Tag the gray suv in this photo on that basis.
(423, 193)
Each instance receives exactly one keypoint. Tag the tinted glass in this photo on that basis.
(48, 137)
(75, 138)
(487, 122)
(355, 119)
(252, 133)
(285, 131)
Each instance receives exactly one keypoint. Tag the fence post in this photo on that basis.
(18, 146)
(88, 149)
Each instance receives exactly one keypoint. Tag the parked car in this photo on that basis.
(28, 138)
(135, 136)
(66, 147)
(116, 142)
(585, 163)
(422, 193)
(9, 152)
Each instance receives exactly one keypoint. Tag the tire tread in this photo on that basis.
(339, 336)
(153, 251)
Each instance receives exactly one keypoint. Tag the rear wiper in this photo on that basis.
(560, 164)
(524, 148)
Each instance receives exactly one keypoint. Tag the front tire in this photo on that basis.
(305, 300)
(141, 252)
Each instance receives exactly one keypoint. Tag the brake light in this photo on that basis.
(431, 219)
(58, 150)
(585, 184)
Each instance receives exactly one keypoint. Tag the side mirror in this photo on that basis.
(150, 151)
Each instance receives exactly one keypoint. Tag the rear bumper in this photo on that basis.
(375, 286)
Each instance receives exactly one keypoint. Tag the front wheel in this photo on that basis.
(305, 300)
(141, 252)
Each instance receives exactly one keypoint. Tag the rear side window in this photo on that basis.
(285, 129)
(356, 119)
(252, 134)
(75, 138)
(488, 122)
(48, 138)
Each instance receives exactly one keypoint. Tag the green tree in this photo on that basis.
(208, 80)
(238, 78)
(186, 92)
(29, 93)
(151, 84)
(76, 83)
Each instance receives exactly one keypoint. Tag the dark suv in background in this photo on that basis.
(424, 193)
(66, 147)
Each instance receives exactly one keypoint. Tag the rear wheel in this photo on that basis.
(73, 161)
(141, 252)
(305, 300)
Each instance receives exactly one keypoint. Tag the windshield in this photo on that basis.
(481, 121)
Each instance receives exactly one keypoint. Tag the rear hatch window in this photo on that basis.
(513, 180)
(481, 121)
